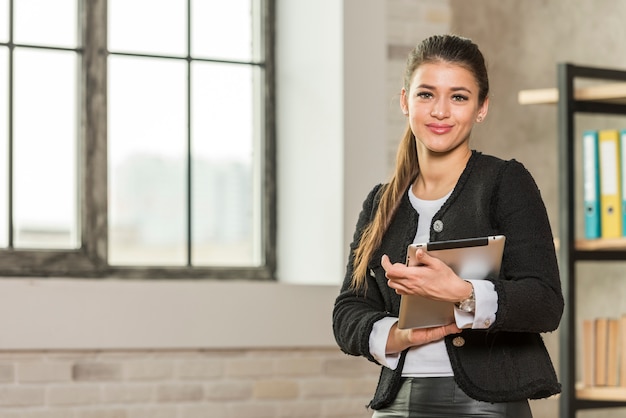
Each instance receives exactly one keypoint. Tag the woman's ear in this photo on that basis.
(403, 102)
(482, 112)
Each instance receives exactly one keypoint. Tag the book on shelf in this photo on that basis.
(588, 352)
(612, 351)
(600, 349)
(603, 352)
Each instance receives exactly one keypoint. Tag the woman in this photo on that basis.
(491, 359)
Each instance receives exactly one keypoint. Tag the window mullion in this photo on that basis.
(189, 151)
(10, 132)
(93, 178)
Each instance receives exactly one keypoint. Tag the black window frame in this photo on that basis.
(90, 259)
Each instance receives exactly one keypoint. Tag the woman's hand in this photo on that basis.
(400, 339)
(431, 278)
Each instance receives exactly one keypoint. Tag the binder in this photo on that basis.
(622, 148)
(591, 184)
(610, 191)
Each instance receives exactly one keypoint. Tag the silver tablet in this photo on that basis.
(470, 259)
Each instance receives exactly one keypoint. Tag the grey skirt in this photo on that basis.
(440, 397)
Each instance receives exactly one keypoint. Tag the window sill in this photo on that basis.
(119, 314)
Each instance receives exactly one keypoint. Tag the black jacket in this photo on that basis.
(507, 361)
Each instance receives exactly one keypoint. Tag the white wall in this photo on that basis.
(331, 148)
(331, 129)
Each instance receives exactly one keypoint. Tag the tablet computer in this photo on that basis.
(470, 259)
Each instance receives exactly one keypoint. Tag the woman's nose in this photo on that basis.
(439, 110)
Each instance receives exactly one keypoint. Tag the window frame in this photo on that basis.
(90, 259)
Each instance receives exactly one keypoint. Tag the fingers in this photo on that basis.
(421, 336)
(422, 257)
(439, 332)
(451, 329)
(392, 270)
(385, 262)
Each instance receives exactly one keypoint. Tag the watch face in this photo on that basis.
(467, 305)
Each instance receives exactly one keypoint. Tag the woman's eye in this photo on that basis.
(459, 98)
(424, 95)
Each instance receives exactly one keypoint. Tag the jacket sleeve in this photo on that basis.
(529, 288)
(356, 310)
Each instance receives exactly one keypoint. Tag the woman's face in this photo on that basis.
(442, 106)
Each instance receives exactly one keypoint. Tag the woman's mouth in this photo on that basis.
(439, 128)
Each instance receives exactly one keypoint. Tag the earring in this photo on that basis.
(479, 119)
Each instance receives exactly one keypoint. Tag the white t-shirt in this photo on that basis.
(431, 360)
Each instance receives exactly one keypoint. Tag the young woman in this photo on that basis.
(491, 359)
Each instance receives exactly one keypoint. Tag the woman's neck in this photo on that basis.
(439, 174)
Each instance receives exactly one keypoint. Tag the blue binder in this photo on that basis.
(591, 184)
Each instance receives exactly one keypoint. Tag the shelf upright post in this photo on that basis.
(567, 332)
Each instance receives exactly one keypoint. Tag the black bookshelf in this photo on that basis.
(569, 255)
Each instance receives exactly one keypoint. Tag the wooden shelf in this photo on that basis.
(610, 93)
(601, 393)
(601, 244)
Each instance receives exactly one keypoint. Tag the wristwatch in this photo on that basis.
(467, 305)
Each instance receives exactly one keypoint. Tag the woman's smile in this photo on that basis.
(439, 128)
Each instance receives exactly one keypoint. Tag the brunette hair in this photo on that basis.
(439, 48)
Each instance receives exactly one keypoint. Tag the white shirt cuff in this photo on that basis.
(486, 307)
(378, 342)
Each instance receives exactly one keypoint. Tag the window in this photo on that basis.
(144, 150)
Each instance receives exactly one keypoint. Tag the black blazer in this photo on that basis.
(508, 361)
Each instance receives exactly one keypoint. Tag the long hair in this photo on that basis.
(439, 48)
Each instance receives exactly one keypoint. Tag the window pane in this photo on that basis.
(4, 20)
(4, 148)
(46, 22)
(45, 156)
(222, 29)
(226, 206)
(148, 26)
(147, 161)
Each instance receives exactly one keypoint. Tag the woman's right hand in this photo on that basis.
(432, 278)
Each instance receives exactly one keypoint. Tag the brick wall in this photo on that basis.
(185, 384)
(215, 384)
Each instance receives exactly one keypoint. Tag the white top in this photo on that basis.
(431, 360)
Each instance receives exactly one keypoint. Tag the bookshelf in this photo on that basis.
(607, 97)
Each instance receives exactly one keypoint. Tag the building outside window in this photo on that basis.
(137, 138)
